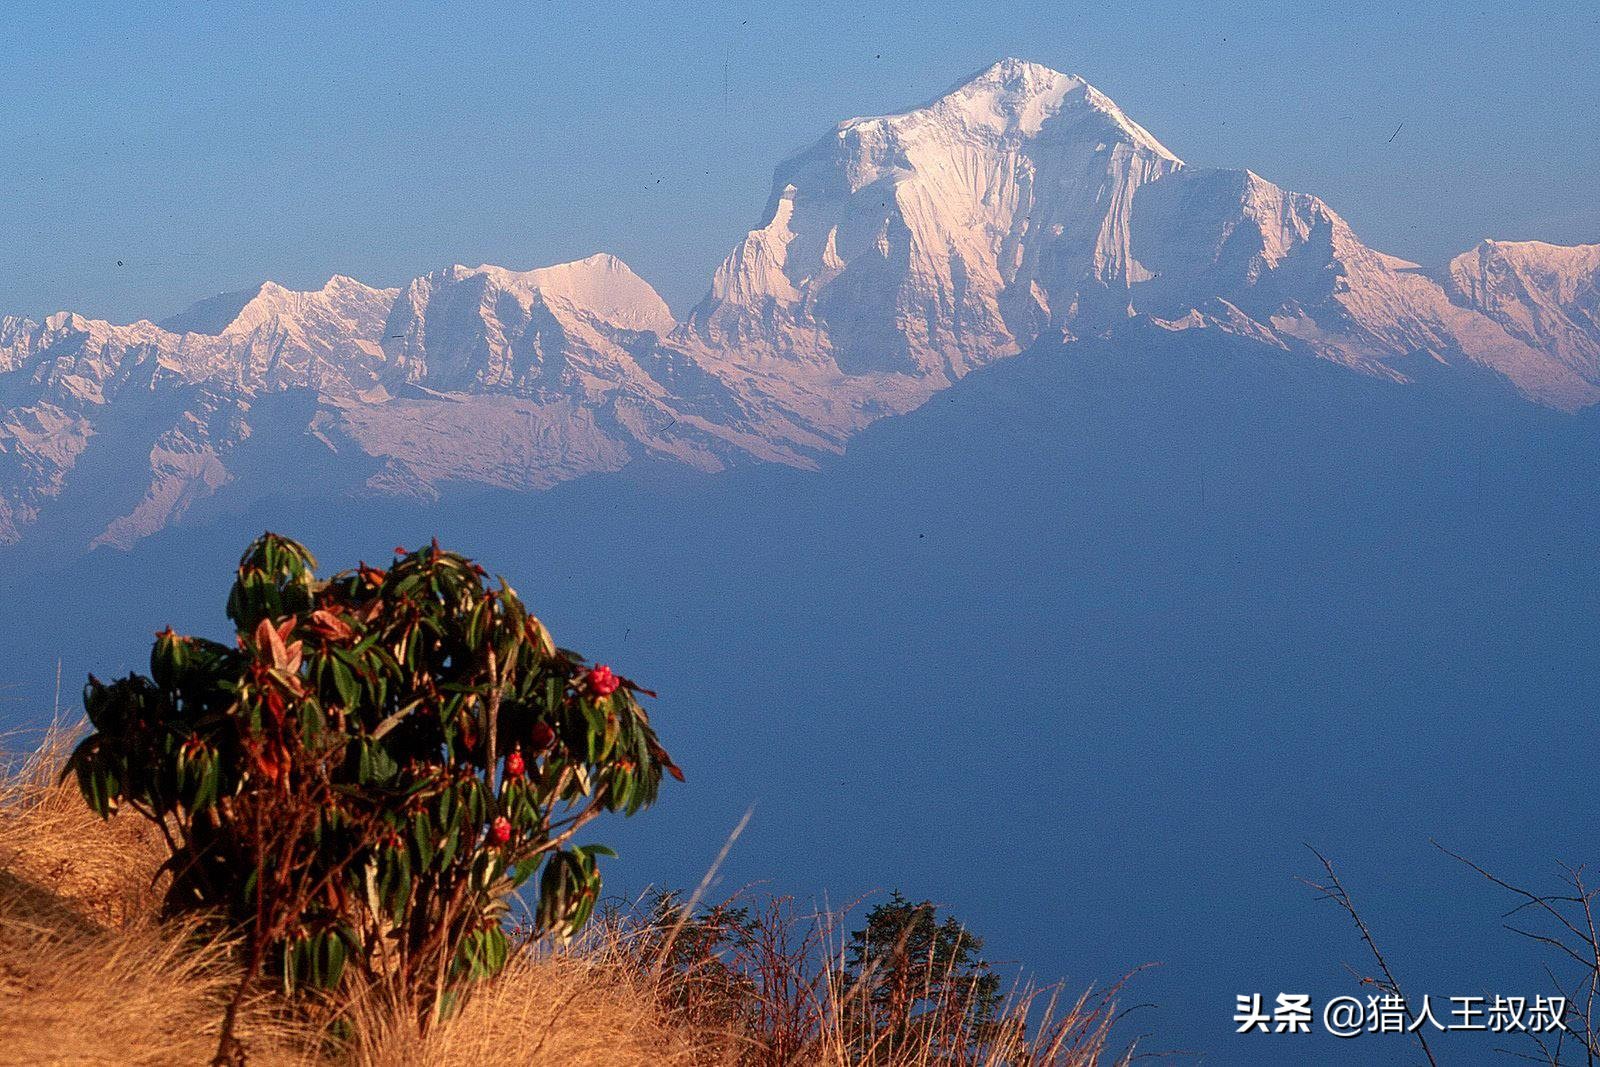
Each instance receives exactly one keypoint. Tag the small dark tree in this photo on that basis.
(759, 974)
(697, 953)
(377, 763)
(914, 982)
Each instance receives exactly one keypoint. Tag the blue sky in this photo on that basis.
(156, 154)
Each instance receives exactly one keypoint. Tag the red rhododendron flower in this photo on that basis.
(602, 683)
(514, 765)
(543, 736)
(500, 830)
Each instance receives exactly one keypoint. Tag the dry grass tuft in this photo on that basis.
(107, 871)
(87, 975)
(135, 995)
(544, 1009)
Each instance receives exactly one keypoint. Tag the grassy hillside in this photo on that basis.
(90, 974)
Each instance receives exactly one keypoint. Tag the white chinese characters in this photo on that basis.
(1388, 1013)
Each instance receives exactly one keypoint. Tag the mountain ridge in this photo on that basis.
(897, 254)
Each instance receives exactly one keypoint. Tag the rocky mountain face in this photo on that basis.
(521, 380)
(924, 245)
(896, 255)
(191, 382)
(1545, 296)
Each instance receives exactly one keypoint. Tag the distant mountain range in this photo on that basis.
(897, 254)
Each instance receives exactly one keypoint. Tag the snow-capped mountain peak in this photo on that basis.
(600, 285)
(926, 243)
(896, 254)
(1016, 97)
(556, 329)
(1546, 296)
(340, 304)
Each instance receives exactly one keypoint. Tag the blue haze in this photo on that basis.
(1089, 649)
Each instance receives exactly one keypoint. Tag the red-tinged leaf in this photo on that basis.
(330, 627)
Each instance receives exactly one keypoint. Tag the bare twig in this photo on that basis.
(1335, 891)
(1577, 939)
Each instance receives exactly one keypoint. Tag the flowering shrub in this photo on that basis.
(378, 762)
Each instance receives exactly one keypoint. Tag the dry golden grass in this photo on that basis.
(129, 996)
(89, 975)
(551, 1009)
(107, 871)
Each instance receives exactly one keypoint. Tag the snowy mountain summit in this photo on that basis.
(895, 255)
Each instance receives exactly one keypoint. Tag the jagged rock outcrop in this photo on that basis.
(1546, 296)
